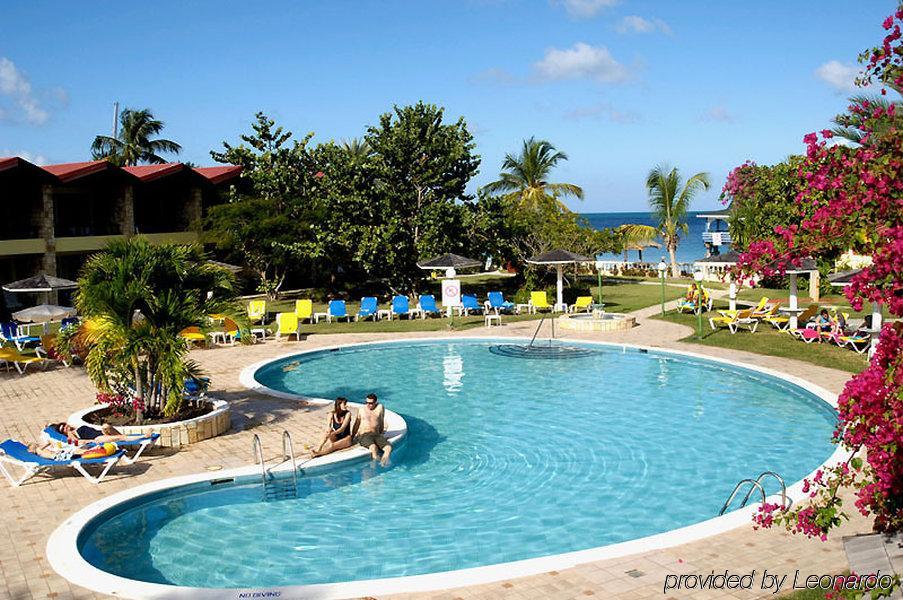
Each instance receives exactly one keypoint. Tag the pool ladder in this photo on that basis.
(756, 484)
(274, 488)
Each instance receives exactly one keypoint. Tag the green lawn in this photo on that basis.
(769, 341)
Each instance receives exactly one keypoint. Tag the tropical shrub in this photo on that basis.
(135, 299)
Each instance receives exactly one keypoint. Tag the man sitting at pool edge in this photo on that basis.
(372, 431)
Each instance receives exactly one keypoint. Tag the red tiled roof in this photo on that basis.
(69, 171)
(151, 172)
(218, 174)
(8, 162)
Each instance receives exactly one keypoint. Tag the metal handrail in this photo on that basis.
(257, 450)
(288, 452)
(535, 333)
(755, 484)
(784, 504)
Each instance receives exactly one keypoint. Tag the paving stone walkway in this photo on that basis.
(30, 513)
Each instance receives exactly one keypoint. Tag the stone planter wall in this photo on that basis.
(585, 323)
(179, 433)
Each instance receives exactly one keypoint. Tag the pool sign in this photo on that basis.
(451, 292)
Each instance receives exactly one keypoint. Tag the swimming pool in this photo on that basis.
(505, 460)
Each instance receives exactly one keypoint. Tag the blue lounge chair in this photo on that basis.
(139, 444)
(9, 332)
(337, 310)
(427, 305)
(196, 388)
(16, 453)
(498, 302)
(369, 308)
(470, 304)
(400, 306)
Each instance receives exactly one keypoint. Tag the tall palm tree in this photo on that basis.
(133, 144)
(524, 178)
(670, 200)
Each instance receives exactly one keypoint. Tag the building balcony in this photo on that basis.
(708, 237)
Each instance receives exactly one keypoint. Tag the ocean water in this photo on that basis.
(690, 248)
(506, 459)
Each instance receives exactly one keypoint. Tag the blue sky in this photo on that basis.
(619, 85)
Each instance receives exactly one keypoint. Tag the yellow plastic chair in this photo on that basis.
(539, 301)
(193, 335)
(582, 304)
(734, 320)
(11, 356)
(257, 311)
(304, 309)
(781, 321)
(287, 325)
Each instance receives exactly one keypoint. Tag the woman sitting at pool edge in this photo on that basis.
(338, 430)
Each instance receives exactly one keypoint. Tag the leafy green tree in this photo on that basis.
(636, 237)
(524, 178)
(134, 143)
(135, 299)
(670, 200)
(266, 224)
(420, 167)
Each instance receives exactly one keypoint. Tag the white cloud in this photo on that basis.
(719, 114)
(36, 159)
(581, 61)
(584, 9)
(637, 24)
(16, 87)
(838, 75)
(603, 110)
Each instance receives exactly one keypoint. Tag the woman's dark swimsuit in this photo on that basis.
(337, 426)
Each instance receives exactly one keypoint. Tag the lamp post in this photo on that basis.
(599, 266)
(661, 275)
(697, 275)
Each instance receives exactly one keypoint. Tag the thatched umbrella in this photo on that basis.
(449, 261)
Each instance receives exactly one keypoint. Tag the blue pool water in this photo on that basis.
(506, 459)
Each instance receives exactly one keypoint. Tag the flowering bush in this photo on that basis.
(120, 405)
(850, 198)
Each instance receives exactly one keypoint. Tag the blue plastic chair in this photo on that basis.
(427, 304)
(498, 302)
(369, 308)
(9, 332)
(469, 304)
(337, 310)
(400, 306)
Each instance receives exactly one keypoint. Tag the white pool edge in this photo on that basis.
(64, 557)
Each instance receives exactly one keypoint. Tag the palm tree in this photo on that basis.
(636, 237)
(524, 178)
(358, 149)
(133, 144)
(849, 125)
(136, 298)
(670, 199)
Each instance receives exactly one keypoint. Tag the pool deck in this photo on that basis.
(30, 513)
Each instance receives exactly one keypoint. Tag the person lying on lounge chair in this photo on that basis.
(84, 433)
(53, 452)
(338, 430)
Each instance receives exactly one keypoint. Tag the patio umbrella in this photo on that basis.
(449, 261)
(806, 267)
(40, 283)
(43, 313)
(559, 258)
(845, 278)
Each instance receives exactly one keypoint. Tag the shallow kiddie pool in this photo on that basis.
(506, 459)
